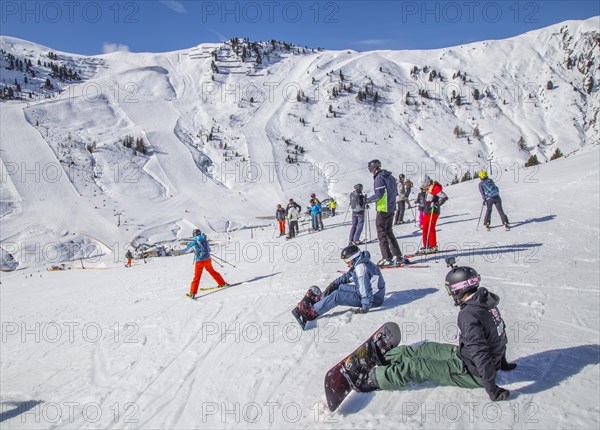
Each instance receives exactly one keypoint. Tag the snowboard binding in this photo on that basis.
(358, 368)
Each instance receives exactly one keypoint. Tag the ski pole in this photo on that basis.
(346, 216)
(224, 261)
(480, 213)
(217, 263)
(367, 231)
(412, 211)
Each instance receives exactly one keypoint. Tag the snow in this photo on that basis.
(115, 347)
(127, 339)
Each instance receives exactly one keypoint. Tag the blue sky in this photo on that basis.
(93, 27)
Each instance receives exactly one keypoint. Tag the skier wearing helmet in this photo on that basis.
(491, 197)
(473, 363)
(385, 200)
(202, 261)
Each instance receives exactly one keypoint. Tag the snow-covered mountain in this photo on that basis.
(116, 153)
(150, 145)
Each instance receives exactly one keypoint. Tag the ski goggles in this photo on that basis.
(454, 288)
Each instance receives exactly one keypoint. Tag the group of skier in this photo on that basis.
(292, 212)
(481, 349)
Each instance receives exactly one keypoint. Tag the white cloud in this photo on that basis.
(107, 47)
(174, 5)
(373, 42)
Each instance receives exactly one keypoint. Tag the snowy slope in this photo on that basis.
(122, 348)
(175, 101)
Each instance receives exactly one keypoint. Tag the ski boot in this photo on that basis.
(487, 227)
(191, 296)
(400, 261)
(384, 262)
(506, 226)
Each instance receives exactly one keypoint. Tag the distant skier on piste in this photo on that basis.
(385, 198)
(293, 204)
(420, 202)
(129, 257)
(473, 363)
(362, 286)
(293, 215)
(313, 198)
(491, 197)
(404, 190)
(280, 217)
(202, 261)
(317, 216)
(333, 206)
(357, 206)
(434, 199)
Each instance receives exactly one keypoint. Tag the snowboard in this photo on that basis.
(341, 378)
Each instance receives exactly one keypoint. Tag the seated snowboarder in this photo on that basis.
(361, 286)
(473, 363)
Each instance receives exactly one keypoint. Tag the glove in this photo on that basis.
(499, 394)
(484, 202)
(330, 289)
(367, 207)
(361, 311)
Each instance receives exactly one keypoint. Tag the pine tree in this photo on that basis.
(533, 161)
(521, 144)
(557, 154)
(549, 85)
(476, 132)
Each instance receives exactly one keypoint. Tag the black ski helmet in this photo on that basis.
(350, 252)
(461, 281)
(196, 232)
(374, 165)
(358, 188)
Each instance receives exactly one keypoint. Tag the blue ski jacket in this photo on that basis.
(366, 276)
(201, 247)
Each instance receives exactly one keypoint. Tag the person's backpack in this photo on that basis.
(489, 188)
(356, 202)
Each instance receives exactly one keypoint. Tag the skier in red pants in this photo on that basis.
(202, 261)
(434, 198)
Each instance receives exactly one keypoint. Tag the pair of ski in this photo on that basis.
(214, 289)
(506, 227)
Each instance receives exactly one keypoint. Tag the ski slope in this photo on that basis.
(116, 347)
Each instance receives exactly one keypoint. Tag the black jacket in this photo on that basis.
(482, 339)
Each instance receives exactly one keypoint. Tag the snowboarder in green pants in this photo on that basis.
(473, 363)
